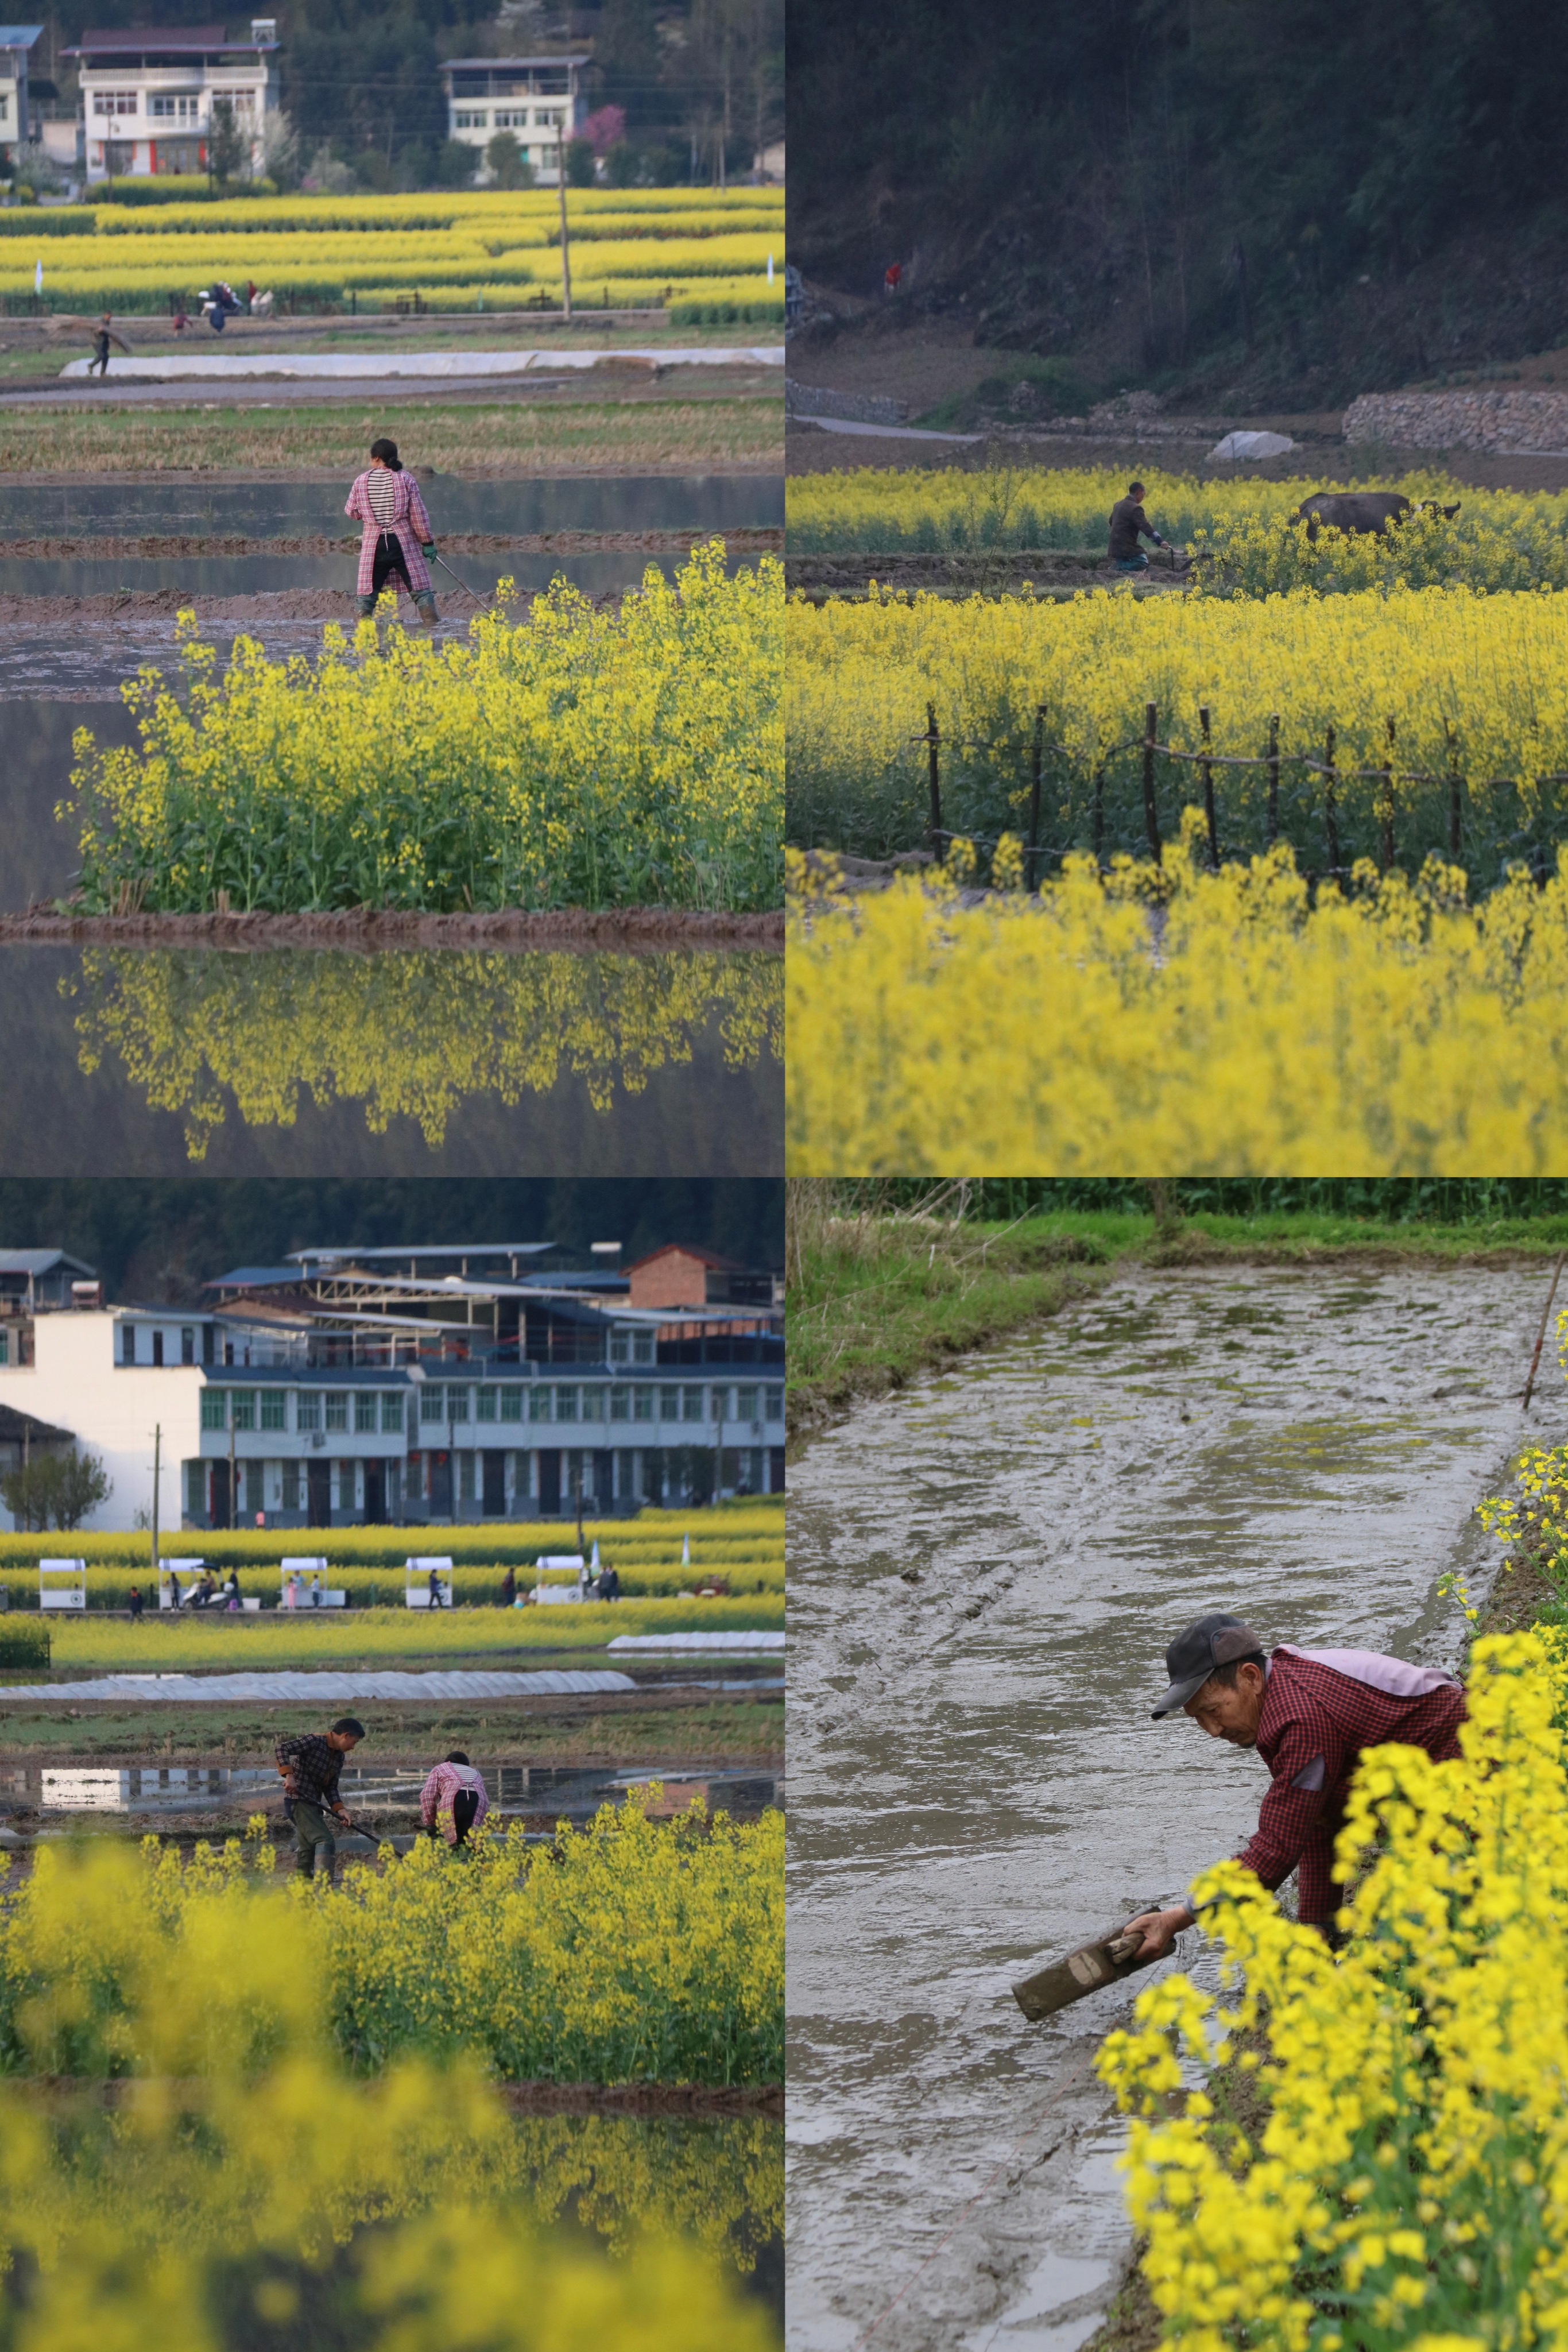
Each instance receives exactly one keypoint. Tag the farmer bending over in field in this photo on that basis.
(453, 1800)
(1309, 1712)
(397, 537)
(310, 1764)
(1129, 523)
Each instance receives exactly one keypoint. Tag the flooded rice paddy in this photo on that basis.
(984, 1574)
(564, 1791)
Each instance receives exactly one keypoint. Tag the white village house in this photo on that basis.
(530, 97)
(415, 1386)
(15, 118)
(148, 95)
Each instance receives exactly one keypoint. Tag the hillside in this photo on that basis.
(1237, 208)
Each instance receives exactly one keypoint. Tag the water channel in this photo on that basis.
(984, 1572)
(200, 507)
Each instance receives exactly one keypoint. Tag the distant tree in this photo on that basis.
(57, 1489)
(454, 163)
(623, 165)
(605, 128)
(579, 170)
(509, 166)
(227, 146)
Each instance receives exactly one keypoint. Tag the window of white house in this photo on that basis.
(308, 1410)
(690, 1404)
(466, 119)
(5, 1347)
(720, 1406)
(512, 1404)
(620, 1404)
(774, 1404)
(169, 106)
(113, 101)
(4, 109)
(566, 1404)
(244, 1407)
(746, 1405)
(337, 1409)
(670, 1404)
(538, 1404)
(620, 1347)
(485, 1406)
(642, 1348)
(641, 1404)
(431, 1403)
(187, 1347)
(275, 1408)
(457, 1404)
(392, 1410)
(128, 1343)
(545, 117)
(196, 1489)
(593, 1404)
(213, 1410)
(508, 118)
(365, 1411)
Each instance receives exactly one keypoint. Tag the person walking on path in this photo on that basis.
(453, 1800)
(1129, 523)
(136, 1604)
(435, 1588)
(99, 359)
(397, 540)
(1309, 1714)
(509, 1587)
(311, 1763)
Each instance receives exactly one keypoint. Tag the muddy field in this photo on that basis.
(1045, 573)
(636, 931)
(984, 1569)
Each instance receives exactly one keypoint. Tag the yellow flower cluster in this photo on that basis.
(1409, 2185)
(1462, 689)
(413, 2215)
(582, 758)
(415, 1035)
(636, 1950)
(244, 2182)
(875, 511)
(1228, 1032)
(494, 245)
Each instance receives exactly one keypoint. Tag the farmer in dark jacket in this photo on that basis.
(1309, 1714)
(1129, 523)
(309, 1764)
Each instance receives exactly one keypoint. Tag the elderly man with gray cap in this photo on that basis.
(1309, 1712)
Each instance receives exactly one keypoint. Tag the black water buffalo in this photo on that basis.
(1351, 510)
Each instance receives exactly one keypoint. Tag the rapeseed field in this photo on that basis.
(1221, 1023)
(583, 757)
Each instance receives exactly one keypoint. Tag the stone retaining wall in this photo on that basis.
(1516, 418)
(856, 407)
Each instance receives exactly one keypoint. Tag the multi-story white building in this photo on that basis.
(533, 98)
(15, 121)
(334, 1394)
(148, 95)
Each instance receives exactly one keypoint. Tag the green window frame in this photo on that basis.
(566, 1403)
(538, 1403)
(620, 1404)
(512, 1402)
(690, 1404)
(244, 1407)
(642, 1404)
(307, 1409)
(337, 1409)
(485, 1405)
(432, 1402)
(391, 1413)
(214, 1411)
(275, 1408)
(364, 1411)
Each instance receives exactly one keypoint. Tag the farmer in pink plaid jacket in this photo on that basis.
(454, 1799)
(397, 537)
(1309, 1714)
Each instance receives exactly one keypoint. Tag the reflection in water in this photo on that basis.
(413, 1034)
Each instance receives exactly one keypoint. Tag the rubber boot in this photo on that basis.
(427, 612)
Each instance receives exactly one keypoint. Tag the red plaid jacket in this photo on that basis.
(1315, 1724)
(410, 523)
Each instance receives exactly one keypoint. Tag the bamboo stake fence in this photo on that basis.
(1386, 777)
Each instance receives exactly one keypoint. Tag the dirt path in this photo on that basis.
(630, 930)
(152, 547)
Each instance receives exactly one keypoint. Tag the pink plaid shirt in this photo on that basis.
(435, 1796)
(409, 521)
(1316, 1720)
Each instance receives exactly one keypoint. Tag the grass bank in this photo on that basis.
(876, 1296)
(516, 438)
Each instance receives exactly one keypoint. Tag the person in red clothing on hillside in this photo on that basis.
(1309, 1712)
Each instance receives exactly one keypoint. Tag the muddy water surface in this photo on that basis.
(983, 1575)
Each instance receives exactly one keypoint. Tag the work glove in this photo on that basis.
(427, 548)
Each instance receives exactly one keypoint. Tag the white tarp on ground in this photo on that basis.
(326, 1683)
(1251, 444)
(697, 1641)
(222, 366)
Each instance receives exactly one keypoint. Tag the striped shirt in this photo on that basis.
(381, 488)
(1317, 1717)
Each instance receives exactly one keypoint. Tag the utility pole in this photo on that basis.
(233, 1499)
(565, 248)
(157, 1456)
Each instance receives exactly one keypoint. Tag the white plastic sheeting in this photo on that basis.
(383, 366)
(697, 1641)
(1251, 444)
(326, 1683)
